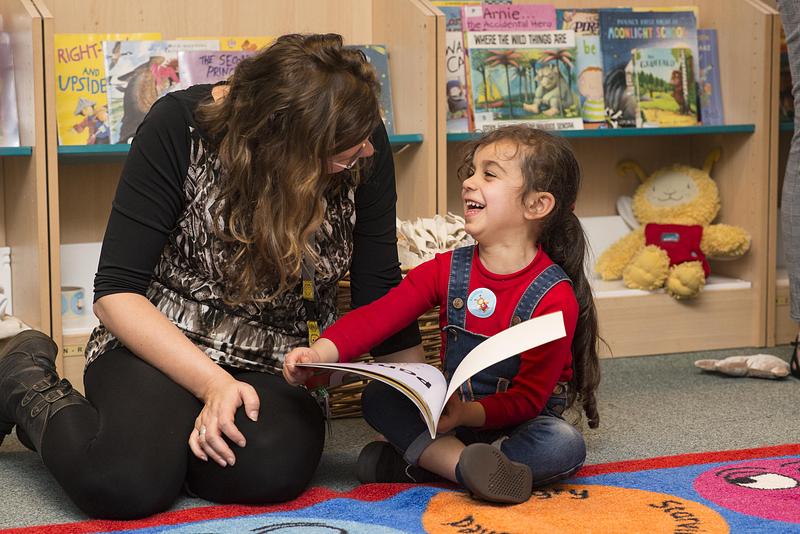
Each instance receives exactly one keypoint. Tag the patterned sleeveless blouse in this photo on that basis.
(186, 285)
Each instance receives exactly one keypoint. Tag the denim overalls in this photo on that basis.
(550, 446)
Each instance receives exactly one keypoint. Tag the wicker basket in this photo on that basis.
(345, 399)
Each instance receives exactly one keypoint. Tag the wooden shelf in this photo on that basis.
(608, 133)
(11, 151)
(89, 152)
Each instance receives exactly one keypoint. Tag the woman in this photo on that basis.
(232, 197)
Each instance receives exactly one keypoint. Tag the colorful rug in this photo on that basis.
(753, 490)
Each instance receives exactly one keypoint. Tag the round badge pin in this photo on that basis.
(482, 302)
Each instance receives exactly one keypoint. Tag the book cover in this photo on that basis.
(710, 88)
(378, 57)
(9, 116)
(665, 87)
(523, 77)
(621, 32)
(455, 71)
(510, 17)
(238, 43)
(588, 61)
(139, 73)
(81, 86)
(427, 387)
(207, 66)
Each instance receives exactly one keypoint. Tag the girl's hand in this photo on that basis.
(296, 375)
(453, 415)
(222, 399)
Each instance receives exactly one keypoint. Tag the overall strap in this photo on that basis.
(537, 289)
(458, 285)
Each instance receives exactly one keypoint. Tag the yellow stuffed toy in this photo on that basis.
(675, 207)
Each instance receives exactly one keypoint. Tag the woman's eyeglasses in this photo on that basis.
(352, 163)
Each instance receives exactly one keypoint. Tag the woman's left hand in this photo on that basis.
(452, 416)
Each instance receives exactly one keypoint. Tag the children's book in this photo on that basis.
(518, 17)
(139, 73)
(378, 57)
(455, 71)
(237, 43)
(665, 87)
(622, 31)
(524, 77)
(9, 116)
(709, 86)
(207, 66)
(81, 86)
(588, 62)
(428, 388)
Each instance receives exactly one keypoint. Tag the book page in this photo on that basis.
(424, 384)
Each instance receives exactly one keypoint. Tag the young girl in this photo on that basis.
(504, 433)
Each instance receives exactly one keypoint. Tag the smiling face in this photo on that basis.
(671, 189)
(492, 194)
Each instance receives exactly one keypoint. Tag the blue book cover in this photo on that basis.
(588, 62)
(711, 110)
(623, 31)
(378, 57)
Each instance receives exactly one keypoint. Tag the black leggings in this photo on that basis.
(127, 455)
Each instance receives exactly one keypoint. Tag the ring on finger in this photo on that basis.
(202, 432)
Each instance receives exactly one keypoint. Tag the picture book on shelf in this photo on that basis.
(588, 62)
(709, 86)
(455, 71)
(9, 116)
(621, 31)
(427, 387)
(207, 66)
(139, 73)
(665, 87)
(523, 77)
(81, 86)
(378, 57)
(510, 17)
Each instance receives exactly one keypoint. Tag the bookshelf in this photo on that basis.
(733, 310)
(780, 328)
(24, 222)
(83, 179)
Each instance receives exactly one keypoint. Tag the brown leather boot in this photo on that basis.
(30, 390)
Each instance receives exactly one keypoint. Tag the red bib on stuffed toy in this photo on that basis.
(680, 241)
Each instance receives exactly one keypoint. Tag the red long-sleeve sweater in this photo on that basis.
(426, 286)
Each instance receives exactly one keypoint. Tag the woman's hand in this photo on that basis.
(222, 398)
(296, 375)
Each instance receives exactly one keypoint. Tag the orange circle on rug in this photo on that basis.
(574, 508)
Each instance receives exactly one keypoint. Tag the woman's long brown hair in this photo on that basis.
(288, 109)
(549, 165)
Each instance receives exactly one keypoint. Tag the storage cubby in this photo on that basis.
(83, 179)
(733, 309)
(24, 222)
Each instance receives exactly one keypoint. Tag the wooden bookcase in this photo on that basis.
(83, 179)
(636, 323)
(781, 328)
(24, 223)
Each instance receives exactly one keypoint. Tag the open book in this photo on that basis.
(427, 387)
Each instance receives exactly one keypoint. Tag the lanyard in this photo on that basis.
(310, 302)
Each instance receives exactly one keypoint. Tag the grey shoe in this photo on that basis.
(490, 475)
